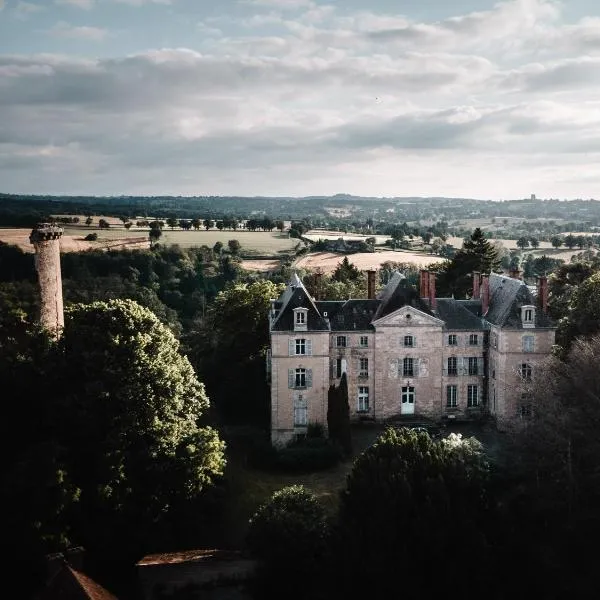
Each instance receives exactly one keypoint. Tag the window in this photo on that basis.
(525, 371)
(472, 396)
(452, 340)
(300, 346)
(300, 319)
(452, 365)
(451, 396)
(363, 398)
(408, 395)
(473, 339)
(524, 409)
(340, 367)
(340, 341)
(364, 341)
(409, 341)
(300, 411)
(528, 316)
(408, 367)
(528, 343)
(299, 378)
(300, 381)
(473, 363)
(363, 370)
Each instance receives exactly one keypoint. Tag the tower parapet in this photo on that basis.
(45, 238)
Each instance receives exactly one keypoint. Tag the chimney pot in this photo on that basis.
(542, 295)
(476, 285)
(371, 284)
(485, 294)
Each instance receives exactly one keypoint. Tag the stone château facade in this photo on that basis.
(407, 352)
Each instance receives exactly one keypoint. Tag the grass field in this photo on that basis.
(328, 261)
(258, 242)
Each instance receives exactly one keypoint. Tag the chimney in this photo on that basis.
(423, 284)
(371, 284)
(476, 285)
(431, 289)
(485, 294)
(514, 273)
(45, 238)
(542, 293)
(318, 285)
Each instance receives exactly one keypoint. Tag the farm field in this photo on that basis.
(328, 261)
(325, 234)
(259, 242)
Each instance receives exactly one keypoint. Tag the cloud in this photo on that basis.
(84, 4)
(142, 2)
(24, 9)
(281, 4)
(1, 5)
(83, 32)
(492, 100)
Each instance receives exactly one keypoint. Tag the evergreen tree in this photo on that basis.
(477, 254)
(338, 415)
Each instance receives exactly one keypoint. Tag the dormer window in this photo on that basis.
(528, 316)
(300, 319)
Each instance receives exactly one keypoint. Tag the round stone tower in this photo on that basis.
(45, 238)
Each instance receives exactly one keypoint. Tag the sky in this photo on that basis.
(462, 98)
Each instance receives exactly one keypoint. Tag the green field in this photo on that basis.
(257, 242)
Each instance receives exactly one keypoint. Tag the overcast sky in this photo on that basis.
(463, 98)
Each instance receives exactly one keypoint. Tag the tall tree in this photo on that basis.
(410, 503)
(477, 254)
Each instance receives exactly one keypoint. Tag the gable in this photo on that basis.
(408, 316)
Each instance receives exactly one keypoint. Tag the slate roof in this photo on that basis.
(396, 294)
(507, 296)
(296, 296)
(349, 315)
(458, 314)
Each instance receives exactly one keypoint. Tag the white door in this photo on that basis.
(407, 405)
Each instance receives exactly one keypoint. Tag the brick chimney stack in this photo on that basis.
(45, 238)
(476, 285)
(371, 284)
(431, 288)
(423, 283)
(485, 294)
(542, 293)
(318, 285)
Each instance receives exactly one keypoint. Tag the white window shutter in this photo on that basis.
(292, 347)
(459, 341)
(417, 366)
(480, 366)
(309, 347)
(344, 366)
(291, 378)
(460, 365)
(332, 369)
(308, 378)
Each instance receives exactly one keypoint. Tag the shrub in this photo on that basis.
(91, 237)
(312, 454)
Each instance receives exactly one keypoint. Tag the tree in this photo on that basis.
(556, 241)
(280, 226)
(414, 502)
(154, 234)
(220, 225)
(89, 221)
(555, 463)
(535, 243)
(477, 254)
(196, 224)
(229, 350)
(234, 247)
(208, 224)
(570, 241)
(128, 225)
(523, 243)
(172, 222)
(288, 535)
(103, 224)
(338, 415)
(218, 248)
(346, 272)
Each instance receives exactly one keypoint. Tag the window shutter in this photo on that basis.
(460, 365)
(416, 366)
(333, 369)
(309, 347)
(459, 341)
(291, 378)
(308, 378)
(292, 347)
(480, 366)
(344, 366)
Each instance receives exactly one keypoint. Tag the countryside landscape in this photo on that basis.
(300, 299)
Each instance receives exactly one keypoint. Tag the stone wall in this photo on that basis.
(47, 259)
